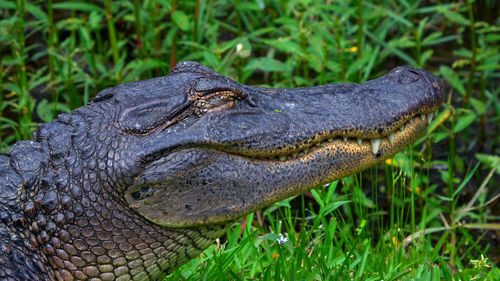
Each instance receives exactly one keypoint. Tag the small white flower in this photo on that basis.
(241, 51)
(282, 239)
(239, 47)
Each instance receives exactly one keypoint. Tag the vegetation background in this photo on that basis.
(429, 213)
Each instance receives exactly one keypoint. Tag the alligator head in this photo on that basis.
(216, 150)
(146, 176)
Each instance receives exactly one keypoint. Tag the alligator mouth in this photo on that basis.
(201, 204)
(402, 134)
(194, 196)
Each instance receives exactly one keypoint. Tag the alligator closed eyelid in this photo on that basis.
(146, 118)
(136, 119)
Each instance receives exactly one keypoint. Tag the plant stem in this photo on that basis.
(451, 188)
(24, 99)
(112, 38)
(418, 46)
(360, 37)
(472, 69)
(196, 19)
(173, 48)
(50, 43)
(238, 17)
(138, 27)
(2, 73)
(154, 11)
(340, 51)
(91, 56)
(482, 121)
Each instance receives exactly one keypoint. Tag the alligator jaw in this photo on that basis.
(234, 195)
(378, 146)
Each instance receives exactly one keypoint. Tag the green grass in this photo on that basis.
(426, 214)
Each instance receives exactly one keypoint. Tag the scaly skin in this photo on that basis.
(149, 173)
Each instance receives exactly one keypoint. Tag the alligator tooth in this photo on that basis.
(429, 117)
(360, 141)
(345, 139)
(306, 150)
(295, 154)
(402, 128)
(422, 116)
(375, 145)
(330, 139)
(391, 138)
(412, 121)
(282, 157)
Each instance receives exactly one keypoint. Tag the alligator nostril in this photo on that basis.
(409, 76)
(252, 101)
(136, 195)
(140, 194)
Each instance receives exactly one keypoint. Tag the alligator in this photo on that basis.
(149, 173)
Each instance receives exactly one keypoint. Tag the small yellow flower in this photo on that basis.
(275, 255)
(389, 161)
(351, 49)
(395, 241)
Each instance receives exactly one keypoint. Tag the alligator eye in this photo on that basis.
(410, 76)
(216, 101)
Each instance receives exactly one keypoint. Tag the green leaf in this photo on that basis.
(489, 66)
(94, 19)
(181, 20)
(439, 136)
(286, 45)
(8, 121)
(271, 236)
(493, 161)
(328, 209)
(45, 109)
(266, 64)
(465, 181)
(478, 105)
(390, 48)
(78, 6)
(121, 62)
(434, 40)
(455, 17)
(317, 197)
(37, 12)
(444, 198)
(451, 76)
(283, 203)
(139, 66)
(465, 121)
(7, 5)
(491, 226)
(426, 55)
(211, 59)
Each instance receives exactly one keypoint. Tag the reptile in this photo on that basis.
(148, 174)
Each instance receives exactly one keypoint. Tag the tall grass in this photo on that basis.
(426, 213)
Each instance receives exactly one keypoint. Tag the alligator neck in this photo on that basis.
(72, 221)
(19, 177)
